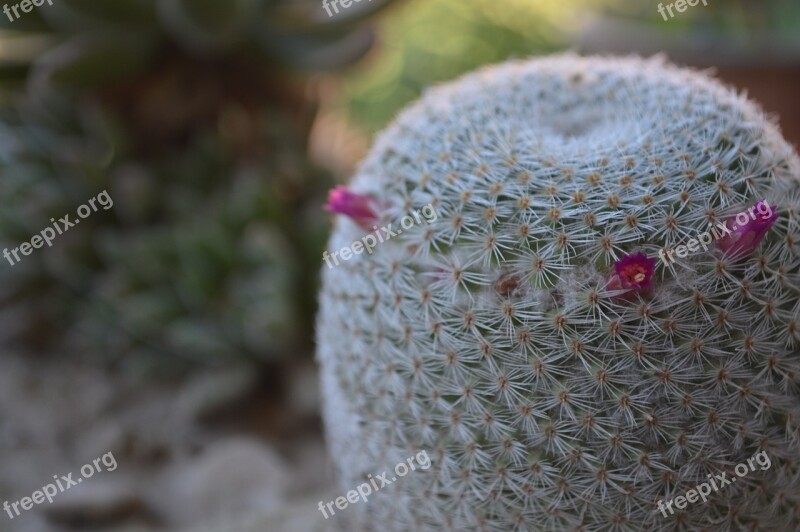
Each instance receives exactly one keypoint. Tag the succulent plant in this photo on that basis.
(195, 116)
(559, 377)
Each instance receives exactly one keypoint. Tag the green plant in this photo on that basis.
(195, 116)
(521, 340)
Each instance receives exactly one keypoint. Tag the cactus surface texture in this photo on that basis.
(492, 338)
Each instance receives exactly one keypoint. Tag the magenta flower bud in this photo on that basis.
(633, 272)
(748, 231)
(362, 208)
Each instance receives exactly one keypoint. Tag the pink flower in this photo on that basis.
(748, 230)
(633, 272)
(362, 208)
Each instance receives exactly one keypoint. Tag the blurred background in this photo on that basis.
(176, 329)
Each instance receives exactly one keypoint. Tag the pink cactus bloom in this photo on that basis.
(362, 208)
(633, 272)
(747, 231)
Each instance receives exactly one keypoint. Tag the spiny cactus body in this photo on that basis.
(548, 396)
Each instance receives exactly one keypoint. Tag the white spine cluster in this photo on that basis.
(490, 338)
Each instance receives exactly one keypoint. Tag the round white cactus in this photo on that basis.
(561, 364)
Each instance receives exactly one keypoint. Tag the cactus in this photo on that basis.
(550, 393)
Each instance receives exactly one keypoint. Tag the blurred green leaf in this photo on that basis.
(94, 60)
